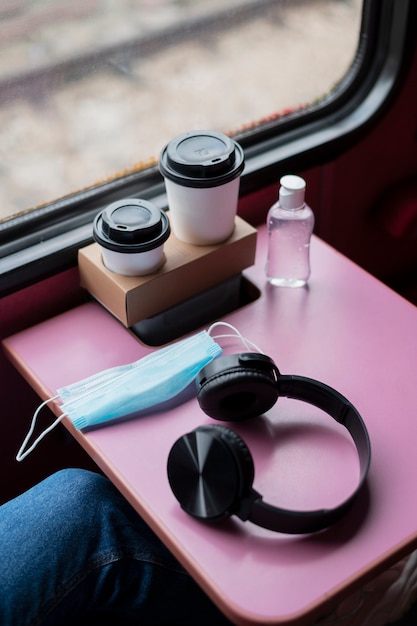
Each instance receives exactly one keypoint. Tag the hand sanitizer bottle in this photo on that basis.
(290, 225)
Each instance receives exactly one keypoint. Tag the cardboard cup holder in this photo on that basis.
(186, 284)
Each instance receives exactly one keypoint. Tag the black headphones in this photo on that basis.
(211, 470)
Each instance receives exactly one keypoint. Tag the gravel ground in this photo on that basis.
(79, 131)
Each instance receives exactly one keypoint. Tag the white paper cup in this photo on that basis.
(203, 216)
(131, 234)
(136, 264)
(202, 171)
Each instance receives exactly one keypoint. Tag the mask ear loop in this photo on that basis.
(22, 454)
(248, 344)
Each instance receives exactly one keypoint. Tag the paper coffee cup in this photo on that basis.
(131, 234)
(202, 171)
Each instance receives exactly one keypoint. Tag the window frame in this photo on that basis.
(45, 241)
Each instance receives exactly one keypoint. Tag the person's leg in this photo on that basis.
(73, 549)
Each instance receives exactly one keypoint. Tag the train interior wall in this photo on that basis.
(365, 202)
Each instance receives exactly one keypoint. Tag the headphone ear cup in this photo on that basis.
(237, 394)
(209, 470)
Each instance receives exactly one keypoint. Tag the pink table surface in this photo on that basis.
(347, 330)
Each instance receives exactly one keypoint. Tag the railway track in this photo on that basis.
(34, 83)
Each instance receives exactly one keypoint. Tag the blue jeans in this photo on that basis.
(72, 550)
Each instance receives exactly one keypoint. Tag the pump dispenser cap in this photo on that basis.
(291, 193)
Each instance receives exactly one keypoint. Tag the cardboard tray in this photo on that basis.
(187, 271)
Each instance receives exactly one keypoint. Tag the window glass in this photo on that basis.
(93, 89)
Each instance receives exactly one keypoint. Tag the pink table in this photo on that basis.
(347, 330)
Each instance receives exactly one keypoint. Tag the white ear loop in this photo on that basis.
(22, 454)
(246, 342)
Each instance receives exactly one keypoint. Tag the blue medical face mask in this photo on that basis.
(126, 390)
(129, 389)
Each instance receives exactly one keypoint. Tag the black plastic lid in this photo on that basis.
(131, 226)
(201, 159)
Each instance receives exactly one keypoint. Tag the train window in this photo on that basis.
(93, 88)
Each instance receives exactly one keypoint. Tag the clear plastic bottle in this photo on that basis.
(290, 225)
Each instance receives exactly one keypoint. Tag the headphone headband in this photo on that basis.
(211, 470)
